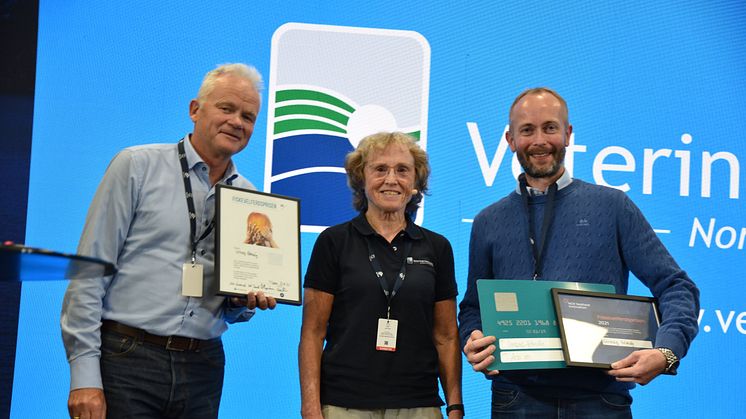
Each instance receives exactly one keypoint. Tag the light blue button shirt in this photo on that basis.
(139, 220)
(562, 182)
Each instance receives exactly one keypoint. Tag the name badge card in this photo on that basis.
(386, 337)
(191, 280)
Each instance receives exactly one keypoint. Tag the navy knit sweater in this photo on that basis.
(597, 235)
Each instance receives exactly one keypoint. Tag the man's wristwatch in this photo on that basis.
(671, 360)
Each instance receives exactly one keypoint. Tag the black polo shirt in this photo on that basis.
(353, 373)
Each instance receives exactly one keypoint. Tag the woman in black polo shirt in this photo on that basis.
(380, 291)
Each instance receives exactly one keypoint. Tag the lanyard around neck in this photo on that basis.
(537, 249)
(190, 204)
(398, 281)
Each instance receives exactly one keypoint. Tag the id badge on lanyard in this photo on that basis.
(192, 273)
(386, 336)
(388, 327)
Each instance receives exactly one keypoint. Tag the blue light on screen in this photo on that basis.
(638, 77)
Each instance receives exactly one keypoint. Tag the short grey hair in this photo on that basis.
(234, 69)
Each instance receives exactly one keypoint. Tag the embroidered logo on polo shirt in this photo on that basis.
(413, 261)
(583, 222)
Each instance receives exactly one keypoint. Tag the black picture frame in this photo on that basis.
(246, 265)
(598, 328)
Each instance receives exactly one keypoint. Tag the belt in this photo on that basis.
(171, 343)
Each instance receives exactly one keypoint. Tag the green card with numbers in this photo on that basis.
(520, 314)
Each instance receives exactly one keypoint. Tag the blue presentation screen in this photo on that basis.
(656, 94)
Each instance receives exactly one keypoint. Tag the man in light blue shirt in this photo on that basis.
(138, 344)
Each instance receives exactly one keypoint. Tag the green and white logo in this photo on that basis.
(330, 86)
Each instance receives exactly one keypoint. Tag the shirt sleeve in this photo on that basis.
(648, 259)
(322, 272)
(445, 282)
(236, 314)
(104, 234)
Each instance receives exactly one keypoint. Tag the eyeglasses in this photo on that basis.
(382, 171)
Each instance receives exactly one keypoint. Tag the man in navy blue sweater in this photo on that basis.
(596, 234)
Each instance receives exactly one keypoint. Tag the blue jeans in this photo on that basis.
(145, 381)
(520, 405)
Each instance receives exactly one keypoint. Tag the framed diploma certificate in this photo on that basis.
(257, 244)
(598, 329)
(520, 314)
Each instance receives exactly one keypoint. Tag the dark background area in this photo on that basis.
(18, 32)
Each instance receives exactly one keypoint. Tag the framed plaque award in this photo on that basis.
(598, 329)
(257, 244)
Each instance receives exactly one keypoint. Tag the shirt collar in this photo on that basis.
(362, 225)
(564, 181)
(193, 158)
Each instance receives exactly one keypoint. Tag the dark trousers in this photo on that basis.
(520, 405)
(142, 380)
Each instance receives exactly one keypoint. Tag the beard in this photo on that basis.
(545, 171)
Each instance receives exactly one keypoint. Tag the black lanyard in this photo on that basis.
(537, 249)
(190, 204)
(398, 281)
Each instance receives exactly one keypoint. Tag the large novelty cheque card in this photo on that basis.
(520, 314)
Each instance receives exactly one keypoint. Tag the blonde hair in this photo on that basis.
(356, 160)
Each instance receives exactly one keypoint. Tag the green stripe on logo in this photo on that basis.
(299, 124)
(312, 110)
(303, 94)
